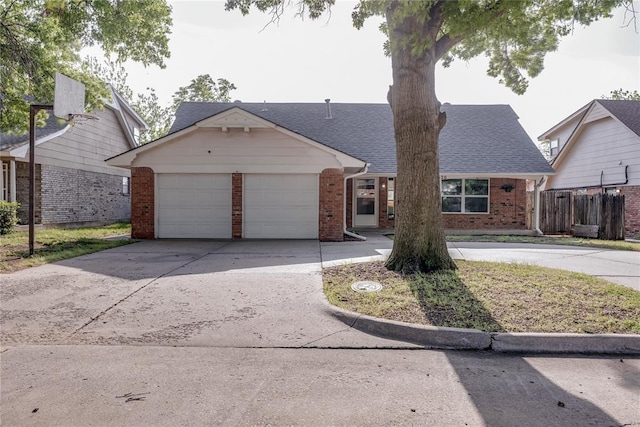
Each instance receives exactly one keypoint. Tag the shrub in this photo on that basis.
(8, 216)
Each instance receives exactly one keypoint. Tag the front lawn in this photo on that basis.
(492, 297)
(56, 244)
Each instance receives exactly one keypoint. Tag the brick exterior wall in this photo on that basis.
(349, 191)
(22, 192)
(236, 206)
(331, 205)
(383, 216)
(631, 211)
(79, 196)
(142, 203)
(507, 210)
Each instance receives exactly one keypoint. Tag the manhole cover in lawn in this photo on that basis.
(366, 286)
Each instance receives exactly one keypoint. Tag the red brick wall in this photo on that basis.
(383, 217)
(631, 211)
(236, 206)
(331, 205)
(507, 210)
(142, 203)
(349, 202)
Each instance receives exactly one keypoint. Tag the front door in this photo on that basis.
(365, 203)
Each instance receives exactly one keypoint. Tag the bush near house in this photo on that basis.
(8, 216)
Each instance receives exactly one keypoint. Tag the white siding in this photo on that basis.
(210, 150)
(86, 145)
(601, 146)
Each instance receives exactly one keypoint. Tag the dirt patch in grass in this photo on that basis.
(57, 244)
(493, 297)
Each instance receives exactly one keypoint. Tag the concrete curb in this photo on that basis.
(473, 339)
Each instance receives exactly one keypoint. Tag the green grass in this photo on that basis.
(547, 240)
(493, 297)
(56, 244)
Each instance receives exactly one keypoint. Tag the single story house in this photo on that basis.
(311, 170)
(597, 150)
(74, 185)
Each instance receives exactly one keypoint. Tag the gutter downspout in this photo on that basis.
(536, 194)
(344, 201)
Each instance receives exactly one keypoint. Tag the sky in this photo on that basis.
(307, 61)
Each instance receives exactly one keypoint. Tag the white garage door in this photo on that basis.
(280, 206)
(194, 206)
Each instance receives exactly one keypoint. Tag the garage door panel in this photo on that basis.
(281, 206)
(194, 206)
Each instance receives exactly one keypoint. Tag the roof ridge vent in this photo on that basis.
(264, 106)
(328, 101)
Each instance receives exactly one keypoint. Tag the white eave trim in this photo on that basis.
(23, 150)
(564, 122)
(528, 175)
(217, 121)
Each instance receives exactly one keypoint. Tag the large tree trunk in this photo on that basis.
(419, 244)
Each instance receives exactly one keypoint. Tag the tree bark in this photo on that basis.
(419, 244)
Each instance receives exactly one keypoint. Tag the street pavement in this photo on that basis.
(237, 333)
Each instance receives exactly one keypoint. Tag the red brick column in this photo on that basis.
(331, 205)
(349, 202)
(236, 206)
(631, 211)
(142, 203)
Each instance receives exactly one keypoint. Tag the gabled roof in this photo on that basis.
(625, 111)
(478, 139)
(628, 112)
(10, 140)
(54, 127)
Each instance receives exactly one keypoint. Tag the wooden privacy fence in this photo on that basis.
(599, 215)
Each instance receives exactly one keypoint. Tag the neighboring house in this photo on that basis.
(73, 183)
(597, 150)
(292, 170)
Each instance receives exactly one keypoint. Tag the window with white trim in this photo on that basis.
(554, 145)
(391, 213)
(126, 185)
(4, 191)
(465, 195)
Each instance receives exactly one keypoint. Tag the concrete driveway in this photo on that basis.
(622, 267)
(227, 294)
(186, 293)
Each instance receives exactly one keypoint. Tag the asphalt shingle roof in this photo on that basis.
(9, 140)
(628, 112)
(477, 139)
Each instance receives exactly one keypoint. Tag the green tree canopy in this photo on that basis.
(40, 37)
(621, 94)
(515, 35)
(147, 104)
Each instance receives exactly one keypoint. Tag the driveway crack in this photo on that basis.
(102, 313)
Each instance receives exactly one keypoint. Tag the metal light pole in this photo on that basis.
(33, 110)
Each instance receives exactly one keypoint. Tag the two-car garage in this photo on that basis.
(274, 206)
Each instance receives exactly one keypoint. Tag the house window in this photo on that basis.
(465, 195)
(136, 135)
(126, 187)
(4, 188)
(554, 144)
(391, 213)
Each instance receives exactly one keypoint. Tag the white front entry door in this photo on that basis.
(365, 210)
